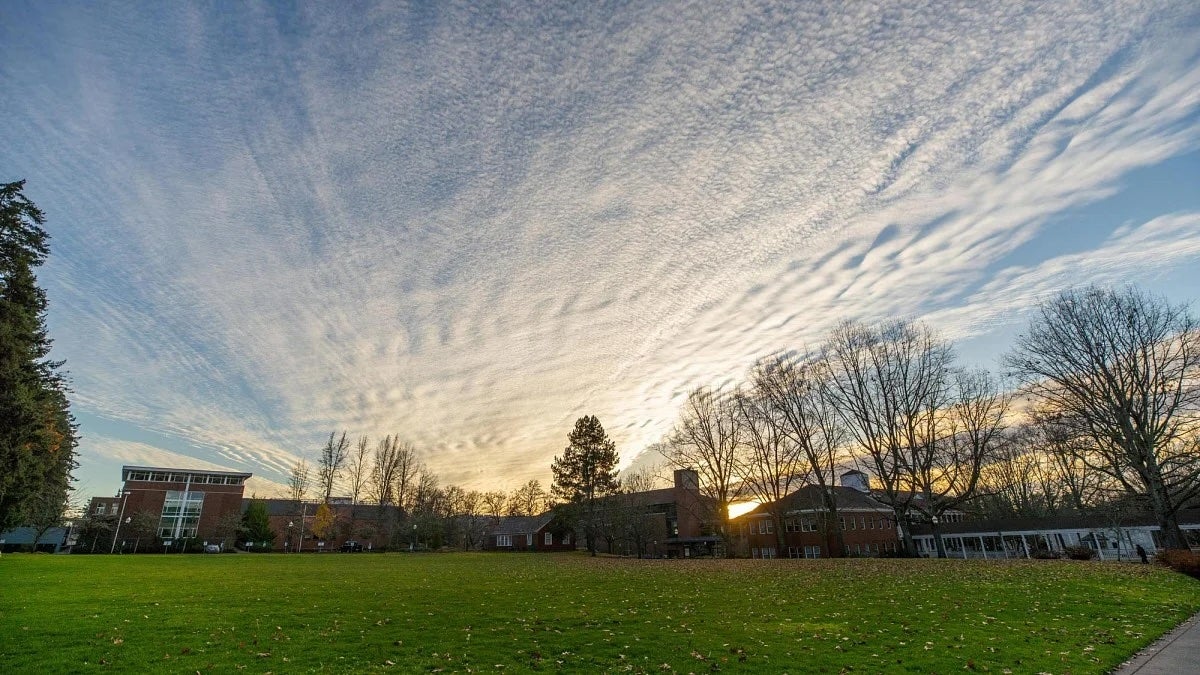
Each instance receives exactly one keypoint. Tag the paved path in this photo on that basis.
(1177, 653)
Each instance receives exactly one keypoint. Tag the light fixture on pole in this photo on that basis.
(124, 498)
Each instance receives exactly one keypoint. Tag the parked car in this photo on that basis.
(212, 548)
(352, 547)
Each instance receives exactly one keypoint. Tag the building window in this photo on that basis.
(842, 521)
(852, 522)
(812, 551)
(808, 525)
(768, 552)
(795, 552)
(549, 538)
(862, 522)
(770, 527)
(99, 509)
(503, 540)
(180, 514)
(870, 523)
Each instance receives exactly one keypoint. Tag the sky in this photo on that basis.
(471, 223)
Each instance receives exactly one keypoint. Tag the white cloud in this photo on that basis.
(471, 227)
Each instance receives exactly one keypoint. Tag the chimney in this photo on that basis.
(687, 479)
(857, 480)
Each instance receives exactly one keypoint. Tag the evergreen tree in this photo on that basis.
(256, 524)
(586, 473)
(37, 432)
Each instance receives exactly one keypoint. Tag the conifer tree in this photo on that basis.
(586, 473)
(37, 432)
(256, 524)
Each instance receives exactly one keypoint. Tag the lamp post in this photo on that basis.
(124, 498)
(412, 545)
(289, 537)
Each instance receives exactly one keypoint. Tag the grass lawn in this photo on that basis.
(522, 612)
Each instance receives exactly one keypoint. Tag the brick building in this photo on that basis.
(677, 521)
(528, 533)
(179, 505)
(867, 526)
(293, 523)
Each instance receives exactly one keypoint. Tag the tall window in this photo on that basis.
(503, 540)
(180, 514)
(549, 538)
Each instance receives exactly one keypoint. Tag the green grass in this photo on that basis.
(520, 612)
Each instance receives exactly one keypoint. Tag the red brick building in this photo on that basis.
(182, 505)
(867, 526)
(373, 527)
(528, 533)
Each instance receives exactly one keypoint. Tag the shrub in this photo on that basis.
(1046, 554)
(1080, 552)
(1181, 561)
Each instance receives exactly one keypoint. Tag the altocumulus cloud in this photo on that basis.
(470, 225)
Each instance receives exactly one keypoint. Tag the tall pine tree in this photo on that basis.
(586, 473)
(37, 432)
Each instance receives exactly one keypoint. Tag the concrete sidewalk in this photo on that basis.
(1176, 653)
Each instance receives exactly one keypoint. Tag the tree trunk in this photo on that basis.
(839, 537)
(937, 538)
(910, 547)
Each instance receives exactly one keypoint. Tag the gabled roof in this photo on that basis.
(520, 524)
(809, 498)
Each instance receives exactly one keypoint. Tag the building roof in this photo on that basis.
(520, 524)
(195, 472)
(1070, 521)
(26, 534)
(809, 498)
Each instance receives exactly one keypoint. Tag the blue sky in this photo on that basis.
(472, 223)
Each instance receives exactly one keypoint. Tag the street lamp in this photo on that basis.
(412, 545)
(124, 498)
(289, 537)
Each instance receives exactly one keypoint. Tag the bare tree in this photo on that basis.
(1083, 486)
(45, 511)
(329, 464)
(889, 384)
(1122, 368)
(706, 439)
(965, 433)
(409, 474)
(358, 469)
(528, 500)
(298, 481)
(771, 463)
(494, 504)
(470, 509)
(796, 387)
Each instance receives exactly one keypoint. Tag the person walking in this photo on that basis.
(1142, 554)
